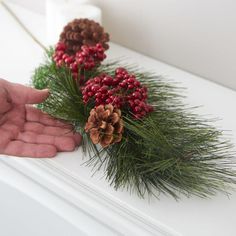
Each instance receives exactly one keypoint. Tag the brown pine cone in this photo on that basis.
(81, 32)
(105, 125)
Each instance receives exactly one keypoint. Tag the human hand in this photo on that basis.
(27, 131)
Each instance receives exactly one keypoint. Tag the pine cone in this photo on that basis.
(81, 32)
(105, 125)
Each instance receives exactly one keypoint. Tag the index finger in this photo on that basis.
(35, 115)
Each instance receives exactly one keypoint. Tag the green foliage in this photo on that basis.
(41, 74)
(171, 151)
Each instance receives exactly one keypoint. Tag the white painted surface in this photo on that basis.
(34, 209)
(22, 215)
(196, 35)
(62, 186)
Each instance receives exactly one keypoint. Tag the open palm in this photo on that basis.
(25, 130)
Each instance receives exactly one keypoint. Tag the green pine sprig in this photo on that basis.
(172, 151)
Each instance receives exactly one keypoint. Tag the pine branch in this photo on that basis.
(171, 151)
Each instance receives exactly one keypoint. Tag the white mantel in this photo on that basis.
(62, 190)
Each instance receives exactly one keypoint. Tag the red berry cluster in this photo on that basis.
(87, 58)
(90, 56)
(123, 90)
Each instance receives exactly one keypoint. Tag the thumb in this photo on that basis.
(21, 94)
(36, 96)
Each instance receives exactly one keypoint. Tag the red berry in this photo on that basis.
(136, 83)
(103, 89)
(69, 60)
(131, 80)
(115, 81)
(144, 89)
(131, 103)
(119, 77)
(120, 70)
(136, 95)
(104, 96)
(65, 56)
(60, 46)
(99, 46)
(95, 88)
(144, 95)
(126, 76)
(122, 84)
(98, 95)
(74, 67)
(60, 53)
(80, 60)
(56, 58)
(90, 94)
(116, 100)
(84, 53)
(142, 113)
(85, 97)
(97, 80)
(110, 93)
(108, 100)
(102, 56)
(98, 101)
(107, 80)
(60, 62)
(137, 109)
(130, 86)
(151, 109)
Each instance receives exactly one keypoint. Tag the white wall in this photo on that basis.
(196, 35)
(34, 5)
